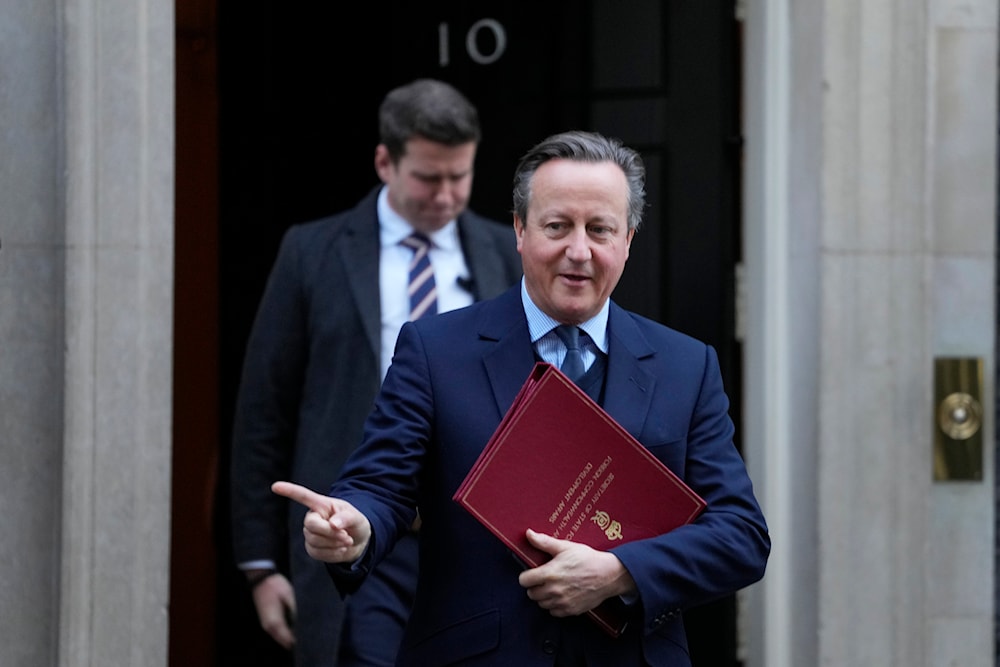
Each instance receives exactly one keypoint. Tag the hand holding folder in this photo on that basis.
(559, 464)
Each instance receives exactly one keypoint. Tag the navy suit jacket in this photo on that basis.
(310, 375)
(452, 378)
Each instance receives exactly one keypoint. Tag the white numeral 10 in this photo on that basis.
(494, 26)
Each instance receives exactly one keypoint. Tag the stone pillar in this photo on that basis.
(117, 184)
(874, 459)
(86, 289)
(871, 241)
(32, 274)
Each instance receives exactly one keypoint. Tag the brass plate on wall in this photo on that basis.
(958, 419)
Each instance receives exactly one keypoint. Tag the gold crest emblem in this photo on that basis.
(611, 528)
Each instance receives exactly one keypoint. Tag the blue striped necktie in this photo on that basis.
(572, 365)
(422, 290)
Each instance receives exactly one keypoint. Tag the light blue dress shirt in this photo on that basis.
(548, 345)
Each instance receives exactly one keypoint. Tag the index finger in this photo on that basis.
(300, 494)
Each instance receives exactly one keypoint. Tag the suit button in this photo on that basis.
(549, 647)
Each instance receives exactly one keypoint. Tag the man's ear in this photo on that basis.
(518, 231)
(383, 162)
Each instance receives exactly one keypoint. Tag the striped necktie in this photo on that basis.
(422, 290)
(572, 365)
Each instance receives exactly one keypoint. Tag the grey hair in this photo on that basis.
(582, 147)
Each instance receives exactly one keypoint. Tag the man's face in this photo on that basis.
(430, 184)
(576, 240)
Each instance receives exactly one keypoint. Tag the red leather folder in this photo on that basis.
(559, 464)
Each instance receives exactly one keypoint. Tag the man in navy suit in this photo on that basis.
(578, 200)
(322, 339)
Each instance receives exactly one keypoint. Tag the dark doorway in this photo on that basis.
(297, 90)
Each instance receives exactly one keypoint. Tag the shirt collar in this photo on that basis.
(540, 323)
(393, 228)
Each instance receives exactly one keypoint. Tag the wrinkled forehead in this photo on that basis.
(597, 187)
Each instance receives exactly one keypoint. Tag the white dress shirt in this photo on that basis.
(447, 261)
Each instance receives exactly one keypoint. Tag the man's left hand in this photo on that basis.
(577, 579)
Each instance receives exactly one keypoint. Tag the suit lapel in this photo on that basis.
(629, 387)
(359, 252)
(510, 361)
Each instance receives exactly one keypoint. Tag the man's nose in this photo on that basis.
(578, 248)
(445, 193)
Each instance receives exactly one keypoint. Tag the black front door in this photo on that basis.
(299, 88)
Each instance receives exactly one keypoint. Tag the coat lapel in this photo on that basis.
(359, 251)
